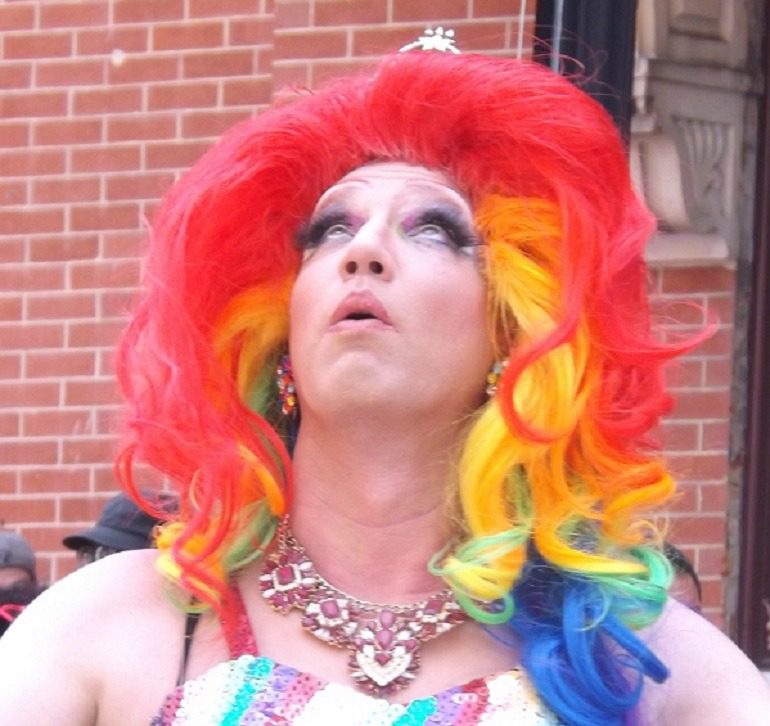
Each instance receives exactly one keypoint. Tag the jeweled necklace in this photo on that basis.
(383, 640)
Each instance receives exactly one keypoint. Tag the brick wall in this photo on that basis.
(103, 104)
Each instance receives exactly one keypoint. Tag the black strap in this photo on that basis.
(190, 623)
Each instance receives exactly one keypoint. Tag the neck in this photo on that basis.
(372, 505)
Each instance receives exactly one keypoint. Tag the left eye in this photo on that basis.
(431, 231)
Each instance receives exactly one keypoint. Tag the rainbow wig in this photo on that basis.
(556, 476)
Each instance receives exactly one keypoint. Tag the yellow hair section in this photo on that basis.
(572, 493)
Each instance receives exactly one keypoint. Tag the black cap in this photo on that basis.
(15, 551)
(121, 526)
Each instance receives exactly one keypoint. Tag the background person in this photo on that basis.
(18, 576)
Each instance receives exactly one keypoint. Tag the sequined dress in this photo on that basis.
(254, 690)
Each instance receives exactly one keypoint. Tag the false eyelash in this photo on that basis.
(452, 221)
(311, 233)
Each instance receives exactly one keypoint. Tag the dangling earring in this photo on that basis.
(493, 377)
(287, 394)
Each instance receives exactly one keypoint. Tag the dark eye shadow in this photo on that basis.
(311, 233)
(450, 219)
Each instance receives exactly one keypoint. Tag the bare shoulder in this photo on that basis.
(711, 681)
(72, 642)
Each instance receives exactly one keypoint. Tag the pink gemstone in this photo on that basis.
(429, 629)
(382, 658)
(387, 618)
(410, 644)
(330, 609)
(284, 575)
(433, 606)
(384, 639)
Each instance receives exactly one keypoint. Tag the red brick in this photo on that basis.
(500, 8)
(264, 61)
(110, 420)
(288, 76)
(69, 189)
(322, 71)
(146, 68)
(29, 510)
(411, 10)
(719, 372)
(138, 186)
(685, 500)
(11, 250)
(206, 8)
(211, 123)
(187, 36)
(12, 192)
(90, 393)
(70, 73)
(251, 31)
(23, 394)
(14, 134)
(344, 12)
(311, 43)
(104, 274)
(22, 221)
(123, 243)
(31, 163)
(56, 422)
(143, 127)
(103, 42)
(685, 373)
(17, 17)
(722, 307)
(668, 312)
(116, 304)
(720, 343)
(188, 95)
(713, 592)
(38, 45)
(248, 92)
(10, 365)
(174, 155)
(102, 158)
(712, 561)
(143, 11)
(77, 451)
(56, 480)
(716, 435)
(377, 41)
(61, 363)
(10, 307)
(64, 305)
(700, 279)
(7, 482)
(46, 537)
(71, 14)
(292, 14)
(58, 132)
(697, 467)
(113, 216)
(221, 63)
(81, 509)
(680, 436)
(15, 336)
(714, 497)
(64, 248)
(703, 529)
(94, 335)
(107, 101)
(702, 404)
(50, 103)
(9, 425)
(15, 75)
(60, 567)
(31, 277)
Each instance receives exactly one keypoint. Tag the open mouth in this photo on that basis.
(359, 307)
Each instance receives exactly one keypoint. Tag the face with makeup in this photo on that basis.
(389, 307)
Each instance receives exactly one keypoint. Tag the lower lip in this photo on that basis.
(369, 324)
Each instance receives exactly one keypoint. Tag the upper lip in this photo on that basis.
(361, 302)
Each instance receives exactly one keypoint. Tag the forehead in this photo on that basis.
(395, 176)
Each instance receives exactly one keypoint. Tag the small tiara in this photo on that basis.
(438, 39)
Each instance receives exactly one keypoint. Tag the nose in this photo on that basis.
(368, 254)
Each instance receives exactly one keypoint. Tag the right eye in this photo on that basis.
(329, 226)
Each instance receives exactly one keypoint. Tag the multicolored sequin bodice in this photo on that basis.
(253, 690)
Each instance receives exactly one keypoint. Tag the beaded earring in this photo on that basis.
(284, 379)
(493, 377)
